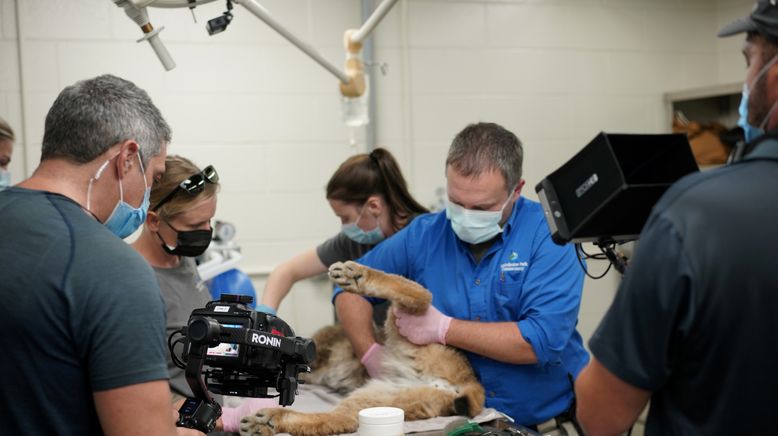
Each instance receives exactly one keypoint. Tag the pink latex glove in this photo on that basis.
(371, 360)
(231, 416)
(424, 329)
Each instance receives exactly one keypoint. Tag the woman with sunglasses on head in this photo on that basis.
(178, 229)
(369, 194)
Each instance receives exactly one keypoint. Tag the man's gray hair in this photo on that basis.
(484, 147)
(91, 116)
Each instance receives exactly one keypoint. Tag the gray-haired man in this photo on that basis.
(81, 318)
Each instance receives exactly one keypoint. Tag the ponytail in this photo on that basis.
(363, 175)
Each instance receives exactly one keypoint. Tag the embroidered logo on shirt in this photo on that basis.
(514, 266)
(514, 255)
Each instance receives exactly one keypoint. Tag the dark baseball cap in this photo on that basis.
(763, 19)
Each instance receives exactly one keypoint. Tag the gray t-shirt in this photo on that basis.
(340, 248)
(80, 312)
(183, 292)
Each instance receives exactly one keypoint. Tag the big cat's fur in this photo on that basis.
(425, 381)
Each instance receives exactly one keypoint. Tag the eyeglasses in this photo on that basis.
(193, 185)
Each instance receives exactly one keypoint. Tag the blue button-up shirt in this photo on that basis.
(523, 277)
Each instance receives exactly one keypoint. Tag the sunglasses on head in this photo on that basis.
(192, 185)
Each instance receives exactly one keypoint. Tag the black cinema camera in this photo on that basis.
(245, 352)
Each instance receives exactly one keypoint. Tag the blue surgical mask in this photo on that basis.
(753, 132)
(5, 179)
(749, 132)
(475, 226)
(360, 236)
(124, 219)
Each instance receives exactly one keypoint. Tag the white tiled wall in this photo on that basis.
(555, 72)
(731, 63)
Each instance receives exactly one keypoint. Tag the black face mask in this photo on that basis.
(191, 243)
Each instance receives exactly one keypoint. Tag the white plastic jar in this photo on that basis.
(381, 421)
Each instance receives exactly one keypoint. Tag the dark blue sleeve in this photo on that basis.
(553, 288)
(391, 256)
(645, 326)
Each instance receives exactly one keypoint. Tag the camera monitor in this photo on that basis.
(607, 190)
(225, 349)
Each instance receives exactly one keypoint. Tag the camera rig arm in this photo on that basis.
(203, 332)
(201, 411)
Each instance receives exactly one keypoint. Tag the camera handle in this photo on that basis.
(201, 411)
(302, 349)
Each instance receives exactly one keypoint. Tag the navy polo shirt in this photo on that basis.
(694, 320)
(523, 277)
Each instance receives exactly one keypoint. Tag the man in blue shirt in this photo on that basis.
(503, 292)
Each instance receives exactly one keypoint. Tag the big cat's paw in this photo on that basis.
(349, 275)
(261, 423)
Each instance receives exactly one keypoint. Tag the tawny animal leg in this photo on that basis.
(359, 279)
(417, 403)
(270, 421)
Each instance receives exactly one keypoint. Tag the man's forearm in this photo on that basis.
(356, 315)
(500, 341)
(606, 404)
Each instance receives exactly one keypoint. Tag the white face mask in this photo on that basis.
(475, 226)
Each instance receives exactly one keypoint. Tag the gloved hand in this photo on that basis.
(372, 360)
(231, 416)
(424, 329)
(265, 308)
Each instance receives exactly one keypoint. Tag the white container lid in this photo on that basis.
(381, 415)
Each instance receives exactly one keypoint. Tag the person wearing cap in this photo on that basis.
(693, 325)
